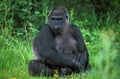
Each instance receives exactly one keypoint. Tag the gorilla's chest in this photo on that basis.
(65, 44)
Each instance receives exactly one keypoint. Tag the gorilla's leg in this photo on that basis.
(35, 68)
(65, 71)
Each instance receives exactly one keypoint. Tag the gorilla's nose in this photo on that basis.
(56, 23)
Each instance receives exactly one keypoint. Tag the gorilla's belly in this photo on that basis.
(66, 45)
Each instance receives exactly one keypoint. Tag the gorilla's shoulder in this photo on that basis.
(44, 32)
(44, 29)
(74, 26)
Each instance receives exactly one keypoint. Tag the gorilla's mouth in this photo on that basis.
(58, 31)
(58, 28)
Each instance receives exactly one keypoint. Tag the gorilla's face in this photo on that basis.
(57, 21)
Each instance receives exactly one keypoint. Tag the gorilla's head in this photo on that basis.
(58, 19)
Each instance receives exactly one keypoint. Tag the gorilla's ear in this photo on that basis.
(67, 16)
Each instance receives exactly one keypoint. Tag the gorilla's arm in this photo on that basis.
(81, 47)
(44, 46)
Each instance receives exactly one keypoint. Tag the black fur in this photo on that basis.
(70, 58)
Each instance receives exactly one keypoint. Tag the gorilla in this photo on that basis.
(59, 46)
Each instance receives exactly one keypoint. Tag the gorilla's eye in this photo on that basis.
(59, 19)
(66, 16)
(52, 18)
(56, 19)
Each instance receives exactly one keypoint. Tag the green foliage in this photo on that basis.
(107, 58)
(22, 15)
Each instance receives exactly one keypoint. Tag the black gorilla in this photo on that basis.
(58, 46)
